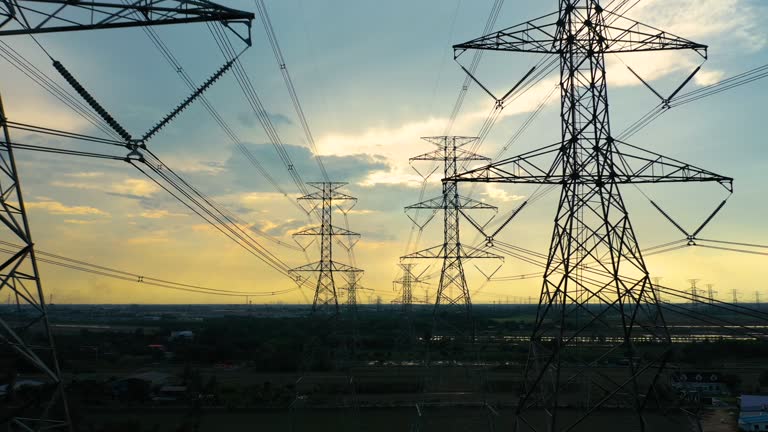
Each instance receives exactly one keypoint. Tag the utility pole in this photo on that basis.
(593, 235)
(325, 199)
(20, 273)
(452, 290)
(735, 296)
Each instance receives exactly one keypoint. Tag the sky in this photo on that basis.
(373, 77)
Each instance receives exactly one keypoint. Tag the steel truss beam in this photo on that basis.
(324, 200)
(592, 227)
(23, 17)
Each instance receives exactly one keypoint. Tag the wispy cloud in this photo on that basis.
(129, 187)
(496, 194)
(57, 208)
(159, 214)
(85, 174)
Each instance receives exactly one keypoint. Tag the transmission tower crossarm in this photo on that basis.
(639, 167)
(335, 230)
(53, 16)
(438, 203)
(441, 155)
(439, 251)
(534, 36)
(317, 267)
(542, 36)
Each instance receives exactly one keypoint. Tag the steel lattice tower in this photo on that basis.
(352, 286)
(323, 201)
(406, 284)
(452, 290)
(593, 253)
(25, 337)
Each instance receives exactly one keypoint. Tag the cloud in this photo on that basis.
(159, 214)
(86, 174)
(717, 23)
(358, 211)
(281, 228)
(131, 188)
(497, 194)
(351, 166)
(57, 208)
(78, 221)
(135, 187)
(704, 21)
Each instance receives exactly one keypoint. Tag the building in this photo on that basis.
(753, 415)
(754, 404)
(753, 423)
(695, 385)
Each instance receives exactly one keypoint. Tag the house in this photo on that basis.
(753, 423)
(753, 415)
(694, 385)
(754, 404)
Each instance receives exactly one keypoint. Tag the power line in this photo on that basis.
(100, 270)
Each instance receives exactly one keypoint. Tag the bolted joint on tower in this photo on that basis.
(323, 201)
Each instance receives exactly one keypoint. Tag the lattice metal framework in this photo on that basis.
(593, 255)
(26, 342)
(406, 282)
(324, 200)
(452, 290)
(23, 17)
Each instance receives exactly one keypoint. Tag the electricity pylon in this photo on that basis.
(694, 293)
(26, 337)
(593, 247)
(406, 283)
(323, 201)
(711, 293)
(352, 286)
(452, 290)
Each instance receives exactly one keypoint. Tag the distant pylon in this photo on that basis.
(452, 290)
(694, 292)
(352, 285)
(711, 292)
(406, 287)
(407, 282)
(735, 295)
(656, 285)
(323, 201)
